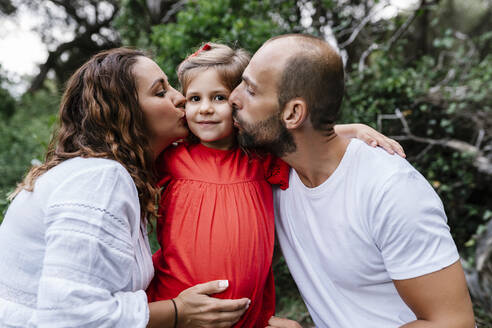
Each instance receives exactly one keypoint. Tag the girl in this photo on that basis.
(216, 219)
(217, 208)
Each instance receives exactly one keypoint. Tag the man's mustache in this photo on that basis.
(234, 114)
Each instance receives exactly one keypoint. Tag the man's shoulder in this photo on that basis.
(372, 172)
(375, 163)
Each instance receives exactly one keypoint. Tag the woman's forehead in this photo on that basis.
(147, 71)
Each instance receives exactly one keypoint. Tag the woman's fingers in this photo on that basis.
(211, 287)
(241, 304)
(197, 309)
(225, 313)
(220, 305)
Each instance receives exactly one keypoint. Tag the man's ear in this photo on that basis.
(295, 113)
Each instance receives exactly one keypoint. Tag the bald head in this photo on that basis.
(311, 69)
(301, 43)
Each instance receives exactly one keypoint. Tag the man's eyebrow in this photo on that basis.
(159, 80)
(249, 82)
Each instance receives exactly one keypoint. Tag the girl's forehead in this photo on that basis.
(204, 80)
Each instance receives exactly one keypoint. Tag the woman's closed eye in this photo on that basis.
(161, 93)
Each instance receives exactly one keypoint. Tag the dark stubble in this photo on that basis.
(268, 135)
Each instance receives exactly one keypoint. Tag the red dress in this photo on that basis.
(217, 222)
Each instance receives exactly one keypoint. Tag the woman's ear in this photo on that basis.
(295, 113)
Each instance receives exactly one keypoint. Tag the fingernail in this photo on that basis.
(223, 283)
(248, 304)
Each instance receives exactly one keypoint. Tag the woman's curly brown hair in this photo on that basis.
(100, 116)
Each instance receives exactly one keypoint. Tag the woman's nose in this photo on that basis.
(179, 100)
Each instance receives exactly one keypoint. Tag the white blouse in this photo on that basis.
(74, 253)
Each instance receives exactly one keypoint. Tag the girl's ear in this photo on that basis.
(295, 113)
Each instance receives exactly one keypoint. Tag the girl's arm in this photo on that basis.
(369, 136)
(196, 309)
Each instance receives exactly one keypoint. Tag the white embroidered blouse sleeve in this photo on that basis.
(86, 279)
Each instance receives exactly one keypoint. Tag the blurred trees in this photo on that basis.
(423, 75)
(73, 30)
(24, 137)
(7, 102)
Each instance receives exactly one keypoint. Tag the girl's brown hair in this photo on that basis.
(229, 64)
(100, 116)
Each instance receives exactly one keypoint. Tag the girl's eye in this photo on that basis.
(161, 93)
(194, 98)
(220, 98)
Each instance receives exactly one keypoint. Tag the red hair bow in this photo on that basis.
(205, 47)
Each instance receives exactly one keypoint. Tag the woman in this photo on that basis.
(73, 247)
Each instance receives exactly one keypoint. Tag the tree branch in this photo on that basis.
(71, 11)
(173, 10)
(78, 42)
(393, 38)
(481, 162)
(359, 27)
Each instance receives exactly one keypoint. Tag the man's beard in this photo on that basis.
(269, 135)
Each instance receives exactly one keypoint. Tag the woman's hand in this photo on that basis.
(370, 137)
(197, 309)
(276, 322)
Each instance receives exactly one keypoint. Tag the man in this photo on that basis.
(363, 233)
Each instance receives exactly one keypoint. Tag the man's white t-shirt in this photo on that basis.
(374, 220)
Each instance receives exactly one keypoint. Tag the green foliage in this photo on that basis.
(7, 102)
(432, 112)
(133, 23)
(24, 139)
(245, 23)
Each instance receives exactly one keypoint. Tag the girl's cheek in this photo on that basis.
(187, 114)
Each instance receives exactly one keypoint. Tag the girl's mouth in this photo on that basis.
(208, 123)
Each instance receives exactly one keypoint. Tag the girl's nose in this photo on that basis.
(206, 107)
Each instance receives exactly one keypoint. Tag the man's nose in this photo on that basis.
(233, 99)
